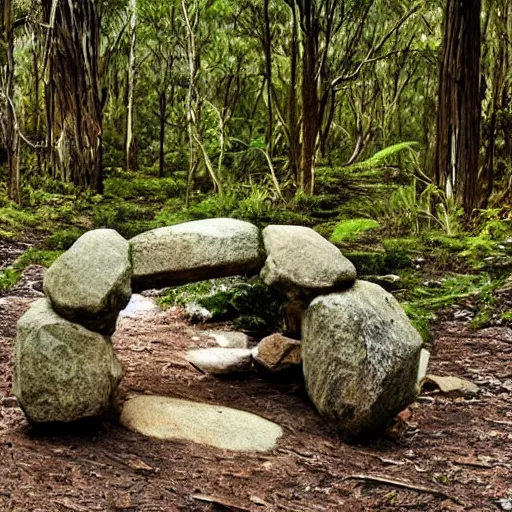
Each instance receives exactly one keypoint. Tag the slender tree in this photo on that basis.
(130, 149)
(8, 121)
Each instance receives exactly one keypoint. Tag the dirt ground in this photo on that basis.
(456, 452)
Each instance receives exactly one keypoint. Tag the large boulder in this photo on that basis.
(195, 251)
(303, 264)
(360, 358)
(63, 372)
(91, 283)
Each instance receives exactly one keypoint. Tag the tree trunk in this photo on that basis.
(295, 149)
(7, 114)
(267, 47)
(310, 102)
(459, 111)
(77, 114)
(130, 150)
(162, 119)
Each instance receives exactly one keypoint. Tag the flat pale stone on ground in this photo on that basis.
(139, 306)
(91, 282)
(63, 372)
(230, 339)
(277, 353)
(195, 251)
(303, 264)
(221, 361)
(211, 425)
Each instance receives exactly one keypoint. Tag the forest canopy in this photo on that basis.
(269, 99)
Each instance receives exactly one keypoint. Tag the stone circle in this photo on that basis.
(359, 351)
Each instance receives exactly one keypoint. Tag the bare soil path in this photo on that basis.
(456, 452)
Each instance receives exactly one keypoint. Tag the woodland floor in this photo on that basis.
(458, 450)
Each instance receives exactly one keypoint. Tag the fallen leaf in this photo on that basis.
(140, 465)
(223, 502)
(451, 385)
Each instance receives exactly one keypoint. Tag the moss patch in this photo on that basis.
(347, 230)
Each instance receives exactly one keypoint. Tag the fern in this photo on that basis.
(380, 158)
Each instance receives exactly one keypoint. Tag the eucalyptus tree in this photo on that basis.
(459, 108)
(130, 150)
(497, 112)
(75, 108)
(8, 120)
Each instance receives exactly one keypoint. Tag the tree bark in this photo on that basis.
(310, 101)
(10, 130)
(459, 111)
(77, 112)
(267, 48)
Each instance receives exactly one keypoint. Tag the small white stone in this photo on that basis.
(230, 339)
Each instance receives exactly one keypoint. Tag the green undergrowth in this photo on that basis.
(10, 276)
(347, 230)
(248, 304)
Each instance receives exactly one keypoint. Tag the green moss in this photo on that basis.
(147, 188)
(507, 316)
(326, 229)
(422, 320)
(251, 305)
(351, 229)
(368, 263)
(128, 219)
(9, 235)
(63, 240)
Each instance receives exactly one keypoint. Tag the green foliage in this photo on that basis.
(382, 157)
(412, 210)
(506, 316)
(347, 230)
(250, 305)
(63, 240)
(146, 188)
(368, 262)
(128, 219)
(422, 320)
(11, 275)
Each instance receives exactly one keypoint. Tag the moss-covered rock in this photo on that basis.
(63, 372)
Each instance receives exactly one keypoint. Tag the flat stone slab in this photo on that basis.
(221, 361)
(210, 425)
(195, 251)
